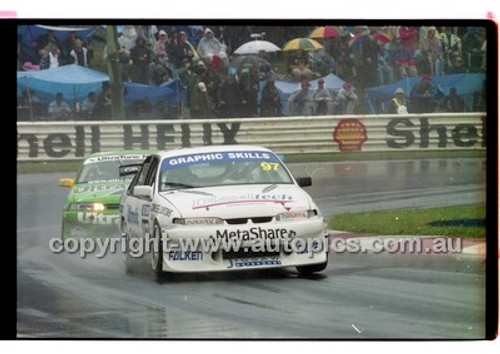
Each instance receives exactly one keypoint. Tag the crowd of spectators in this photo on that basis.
(362, 56)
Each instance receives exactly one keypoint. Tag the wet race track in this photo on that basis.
(359, 295)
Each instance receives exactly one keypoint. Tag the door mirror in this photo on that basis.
(66, 182)
(126, 170)
(143, 192)
(304, 181)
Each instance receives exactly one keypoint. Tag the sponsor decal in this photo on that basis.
(146, 208)
(350, 134)
(223, 156)
(253, 262)
(115, 158)
(403, 133)
(158, 209)
(185, 256)
(97, 218)
(255, 233)
(243, 198)
(132, 217)
(101, 188)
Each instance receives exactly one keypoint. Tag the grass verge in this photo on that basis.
(48, 167)
(390, 155)
(413, 221)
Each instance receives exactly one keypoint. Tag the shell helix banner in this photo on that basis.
(320, 134)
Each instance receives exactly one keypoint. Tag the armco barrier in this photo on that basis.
(75, 140)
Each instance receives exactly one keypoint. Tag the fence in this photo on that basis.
(318, 134)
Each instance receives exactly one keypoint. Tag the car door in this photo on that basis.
(144, 204)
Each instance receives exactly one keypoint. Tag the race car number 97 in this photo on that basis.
(269, 166)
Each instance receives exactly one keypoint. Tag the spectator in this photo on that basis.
(47, 41)
(52, 59)
(346, 99)
(403, 61)
(322, 96)
(457, 65)
(423, 96)
(408, 36)
(453, 102)
(398, 104)
(385, 71)
(160, 48)
(173, 42)
(210, 46)
(188, 79)
(141, 58)
(67, 46)
(451, 45)
(231, 100)
(431, 48)
(201, 107)
(148, 33)
(299, 66)
(103, 107)
(270, 103)
(369, 64)
(88, 106)
(249, 88)
(472, 44)
(59, 109)
(181, 51)
(79, 54)
(300, 102)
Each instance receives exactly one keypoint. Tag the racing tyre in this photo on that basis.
(128, 260)
(314, 268)
(157, 257)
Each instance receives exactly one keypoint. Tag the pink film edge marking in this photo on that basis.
(8, 14)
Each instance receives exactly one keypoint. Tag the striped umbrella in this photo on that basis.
(327, 32)
(302, 44)
(324, 32)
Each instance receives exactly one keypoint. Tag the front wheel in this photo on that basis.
(157, 254)
(314, 268)
(128, 260)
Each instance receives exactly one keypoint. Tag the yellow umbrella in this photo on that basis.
(303, 44)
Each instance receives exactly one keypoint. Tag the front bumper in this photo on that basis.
(249, 246)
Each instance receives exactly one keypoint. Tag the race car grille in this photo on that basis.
(112, 206)
(250, 254)
(256, 220)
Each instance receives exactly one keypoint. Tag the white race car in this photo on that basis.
(223, 208)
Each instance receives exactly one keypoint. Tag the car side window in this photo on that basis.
(140, 177)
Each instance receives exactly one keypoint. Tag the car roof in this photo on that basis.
(121, 152)
(209, 149)
(128, 154)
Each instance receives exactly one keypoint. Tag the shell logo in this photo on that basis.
(350, 134)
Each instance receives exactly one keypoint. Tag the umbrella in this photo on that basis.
(326, 32)
(254, 47)
(302, 44)
(379, 36)
(244, 63)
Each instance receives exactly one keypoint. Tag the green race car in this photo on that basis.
(92, 206)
